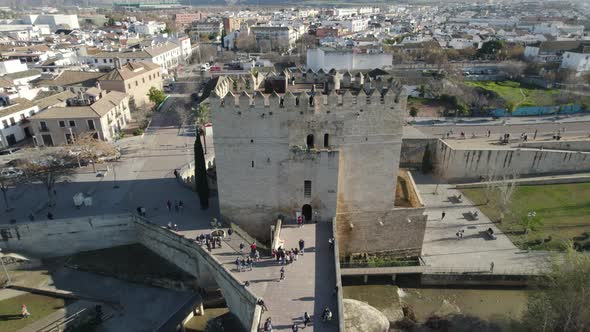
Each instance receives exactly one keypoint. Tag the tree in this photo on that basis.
(156, 95)
(246, 43)
(490, 49)
(7, 182)
(562, 302)
(413, 111)
(201, 182)
(94, 150)
(530, 223)
(427, 166)
(498, 193)
(48, 168)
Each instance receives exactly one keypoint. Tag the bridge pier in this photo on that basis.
(365, 278)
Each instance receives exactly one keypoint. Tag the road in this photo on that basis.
(578, 126)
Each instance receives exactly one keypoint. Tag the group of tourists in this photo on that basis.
(178, 206)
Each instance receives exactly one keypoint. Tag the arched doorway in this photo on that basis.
(306, 212)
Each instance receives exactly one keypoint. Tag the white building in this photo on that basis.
(54, 21)
(12, 66)
(580, 62)
(353, 25)
(14, 124)
(345, 59)
(148, 28)
(167, 55)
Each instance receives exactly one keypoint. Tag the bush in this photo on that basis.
(137, 132)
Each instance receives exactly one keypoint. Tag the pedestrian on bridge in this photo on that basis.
(306, 319)
(302, 246)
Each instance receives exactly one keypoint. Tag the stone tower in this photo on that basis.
(328, 154)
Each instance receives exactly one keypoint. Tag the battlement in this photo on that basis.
(309, 101)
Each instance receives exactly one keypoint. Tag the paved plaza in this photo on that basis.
(475, 250)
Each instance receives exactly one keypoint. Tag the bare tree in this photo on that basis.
(94, 150)
(7, 182)
(48, 168)
(498, 192)
(246, 43)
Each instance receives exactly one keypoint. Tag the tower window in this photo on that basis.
(326, 140)
(307, 189)
(310, 141)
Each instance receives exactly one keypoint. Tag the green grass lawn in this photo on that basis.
(39, 307)
(515, 94)
(563, 208)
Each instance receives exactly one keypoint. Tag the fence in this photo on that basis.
(539, 110)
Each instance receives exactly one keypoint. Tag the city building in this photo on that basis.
(186, 19)
(167, 55)
(577, 61)
(12, 66)
(346, 59)
(148, 28)
(133, 78)
(54, 21)
(15, 124)
(275, 38)
(206, 28)
(99, 113)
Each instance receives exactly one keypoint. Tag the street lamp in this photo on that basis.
(5, 270)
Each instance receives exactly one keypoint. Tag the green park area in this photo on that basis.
(38, 306)
(515, 94)
(562, 212)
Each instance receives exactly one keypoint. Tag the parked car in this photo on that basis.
(11, 172)
(9, 151)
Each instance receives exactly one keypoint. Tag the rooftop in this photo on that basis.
(41, 103)
(129, 70)
(98, 109)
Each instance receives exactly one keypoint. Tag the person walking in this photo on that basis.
(268, 325)
(327, 315)
(169, 205)
(306, 319)
(443, 216)
(492, 267)
(24, 311)
(229, 233)
(238, 264)
(241, 247)
(180, 205)
(176, 208)
(302, 246)
(249, 263)
(295, 327)
(253, 247)
(282, 274)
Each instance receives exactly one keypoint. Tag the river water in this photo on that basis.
(501, 309)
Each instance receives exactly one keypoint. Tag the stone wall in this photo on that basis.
(192, 258)
(67, 236)
(578, 145)
(398, 232)
(458, 165)
(413, 149)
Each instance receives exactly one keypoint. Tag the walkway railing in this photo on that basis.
(338, 279)
(479, 270)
